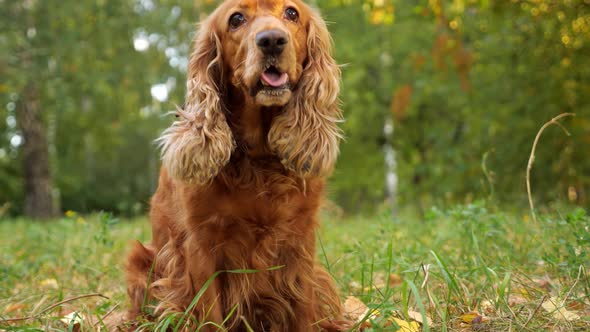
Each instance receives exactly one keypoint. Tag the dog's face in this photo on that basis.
(263, 47)
(274, 53)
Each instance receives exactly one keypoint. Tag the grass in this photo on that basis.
(469, 268)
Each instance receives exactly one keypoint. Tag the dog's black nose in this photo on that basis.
(271, 42)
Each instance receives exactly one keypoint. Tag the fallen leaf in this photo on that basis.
(553, 306)
(114, 322)
(470, 317)
(395, 280)
(418, 317)
(72, 319)
(577, 305)
(354, 308)
(13, 307)
(405, 326)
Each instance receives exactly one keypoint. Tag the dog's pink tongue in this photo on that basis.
(274, 79)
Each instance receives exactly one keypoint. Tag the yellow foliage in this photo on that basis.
(405, 326)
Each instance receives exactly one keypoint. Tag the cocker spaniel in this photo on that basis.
(243, 175)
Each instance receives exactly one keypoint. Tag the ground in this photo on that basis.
(469, 268)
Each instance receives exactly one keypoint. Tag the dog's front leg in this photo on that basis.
(201, 268)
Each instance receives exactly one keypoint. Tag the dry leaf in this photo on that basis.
(114, 322)
(553, 306)
(72, 319)
(354, 308)
(471, 318)
(395, 280)
(577, 305)
(405, 326)
(13, 307)
(418, 317)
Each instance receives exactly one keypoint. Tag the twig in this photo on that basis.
(534, 312)
(18, 319)
(532, 157)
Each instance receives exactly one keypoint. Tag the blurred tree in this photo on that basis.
(456, 79)
(39, 202)
(89, 70)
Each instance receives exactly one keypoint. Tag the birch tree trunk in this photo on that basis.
(391, 179)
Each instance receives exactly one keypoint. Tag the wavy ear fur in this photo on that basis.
(306, 135)
(198, 145)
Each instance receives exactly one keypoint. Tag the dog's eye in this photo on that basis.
(236, 20)
(291, 14)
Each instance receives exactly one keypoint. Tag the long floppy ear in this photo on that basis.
(306, 135)
(198, 145)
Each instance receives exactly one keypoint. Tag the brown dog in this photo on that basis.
(242, 176)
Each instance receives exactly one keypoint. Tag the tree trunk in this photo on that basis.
(39, 202)
(391, 179)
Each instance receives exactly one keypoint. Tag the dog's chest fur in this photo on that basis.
(258, 214)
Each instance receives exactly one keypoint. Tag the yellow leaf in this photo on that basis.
(470, 317)
(405, 326)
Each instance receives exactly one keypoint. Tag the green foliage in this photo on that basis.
(479, 77)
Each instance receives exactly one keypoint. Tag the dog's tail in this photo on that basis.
(140, 262)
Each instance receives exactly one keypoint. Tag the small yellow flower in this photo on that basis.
(80, 220)
(70, 213)
(50, 283)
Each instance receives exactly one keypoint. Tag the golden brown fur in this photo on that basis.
(242, 178)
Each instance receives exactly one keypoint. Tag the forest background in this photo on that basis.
(442, 100)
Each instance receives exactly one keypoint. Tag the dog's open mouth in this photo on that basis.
(273, 79)
(273, 87)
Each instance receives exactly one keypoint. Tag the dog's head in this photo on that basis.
(278, 54)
